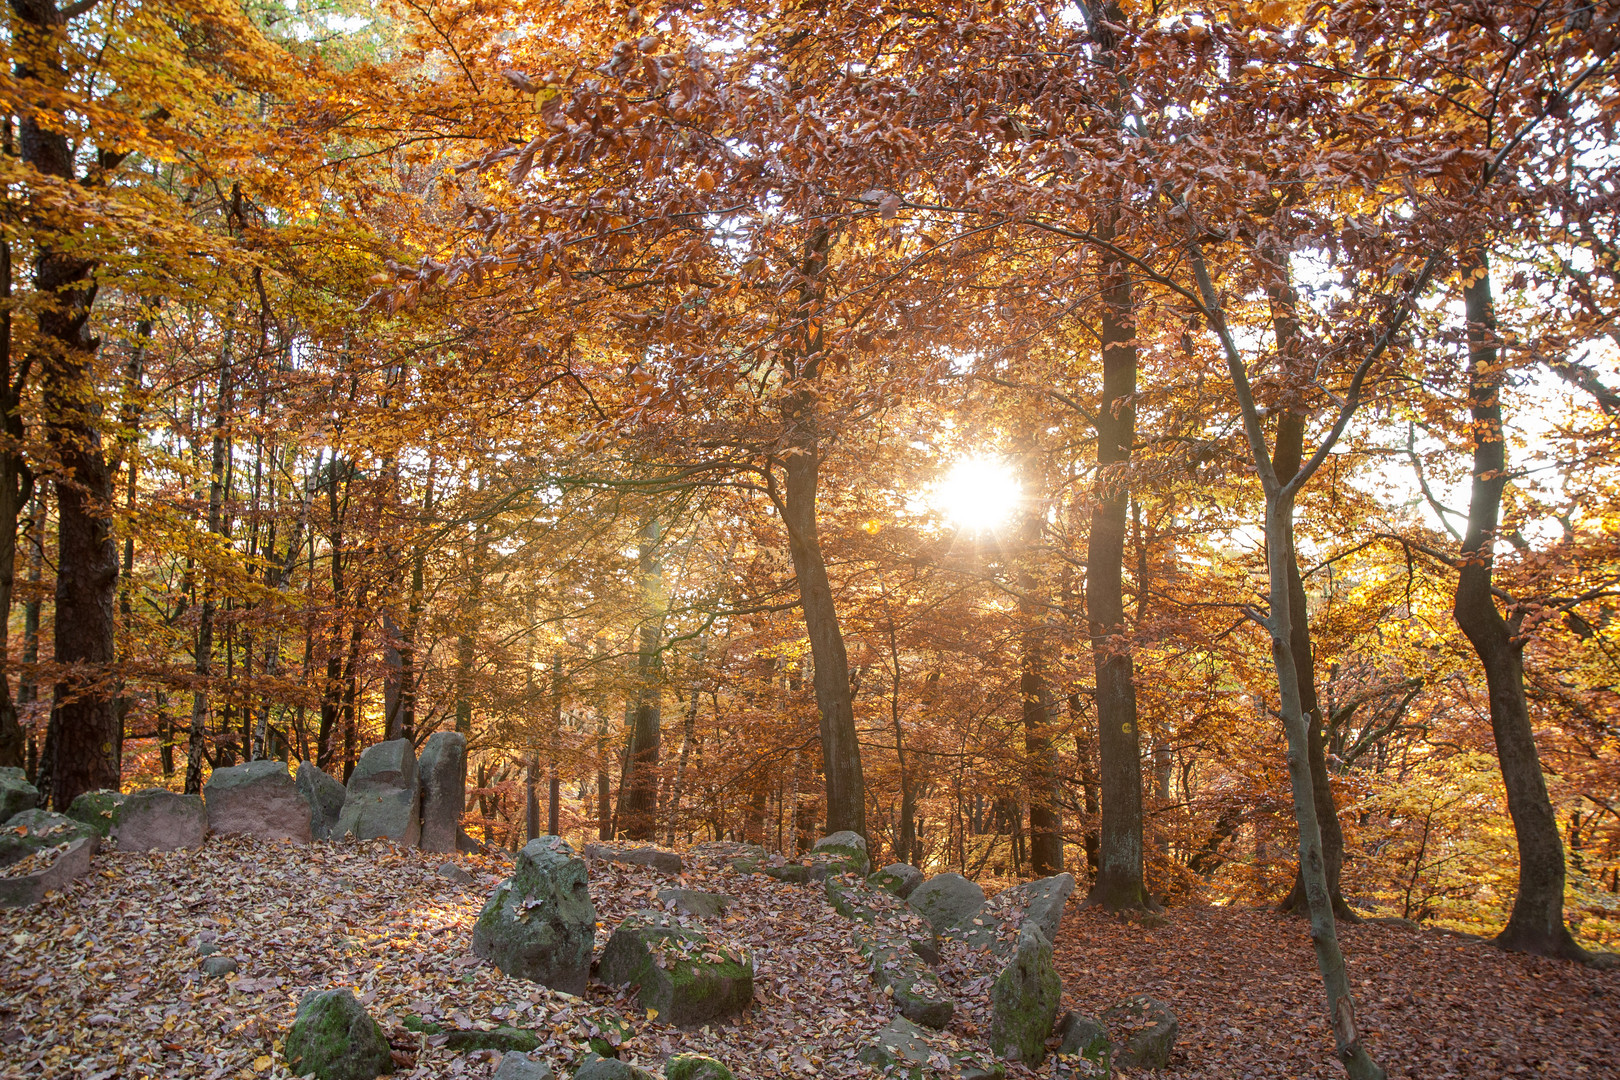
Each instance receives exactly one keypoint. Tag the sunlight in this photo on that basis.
(979, 494)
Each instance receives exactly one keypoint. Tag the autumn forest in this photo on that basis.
(1177, 444)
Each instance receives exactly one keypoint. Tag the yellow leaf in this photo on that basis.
(652, 1014)
(262, 1062)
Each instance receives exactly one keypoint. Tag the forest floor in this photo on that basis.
(102, 980)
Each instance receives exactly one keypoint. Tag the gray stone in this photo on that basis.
(443, 773)
(517, 1066)
(16, 793)
(601, 1068)
(455, 873)
(1086, 1038)
(22, 890)
(946, 900)
(881, 909)
(29, 831)
(96, 809)
(680, 972)
(1146, 1030)
(1024, 1000)
(1042, 902)
(219, 966)
(915, 990)
(996, 925)
(336, 1039)
(206, 948)
(468, 846)
(704, 905)
(325, 797)
(899, 878)
(848, 850)
(665, 861)
(540, 924)
(159, 820)
(695, 1067)
(382, 798)
(259, 799)
(901, 1049)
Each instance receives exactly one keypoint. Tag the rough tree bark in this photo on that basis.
(638, 798)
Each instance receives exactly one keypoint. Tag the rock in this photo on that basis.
(881, 908)
(601, 1068)
(381, 803)
(206, 948)
(31, 831)
(455, 873)
(539, 924)
(516, 1066)
(260, 799)
(946, 900)
(1024, 1000)
(505, 1038)
(333, 1037)
(443, 773)
(678, 971)
(666, 861)
(915, 989)
(1146, 1031)
(846, 846)
(704, 905)
(899, 878)
(996, 925)
(901, 1049)
(159, 820)
(95, 809)
(16, 793)
(468, 846)
(21, 890)
(1086, 1038)
(219, 966)
(325, 797)
(1042, 902)
(695, 1067)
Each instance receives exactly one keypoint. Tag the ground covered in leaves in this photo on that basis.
(103, 980)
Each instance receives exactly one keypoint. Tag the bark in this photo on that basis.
(688, 733)
(1536, 924)
(1040, 762)
(638, 796)
(28, 687)
(554, 792)
(16, 489)
(604, 811)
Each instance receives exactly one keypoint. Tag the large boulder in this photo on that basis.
(915, 990)
(680, 972)
(902, 1049)
(336, 1039)
(16, 793)
(1024, 1000)
(666, 861)
(443, 773)
(96, 809)
(1041, 902)
(695, 1067)
(899, 878)
(381, 803)
(606, 1068)
(1145, 1031)
(946, 900)
(996, 925)
(325, 796)
(516, 1066)
(847, 849)
(258, 798)
(32, 831)
(703, 905)
(158, 820)
(539, 924)
(47, 870)
(1085, 1037)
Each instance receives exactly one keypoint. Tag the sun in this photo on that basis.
(979, 494)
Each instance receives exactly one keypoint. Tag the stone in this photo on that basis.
(504, 1038)
(336, 1039)
(382, 796)
(35, 830)
(22, 890)
(996, 925)
(468, 846)
(539, 924)
(96, 809)
(516, 1066)
(695, 1067)
(259, 799)
(901, 1049)
(881, 908)
(915, 990)
(666, 861)
(847, 847)
(325, 797)
(899, 878)
(601, 1068)
(1024, 1000)
(1042, 902)
(1086, 1038)
(683, 974)
(219, 966)
(16, 793)
(206, 948)
(159, 820)
(946, 900)
(704, 905)
(443, 773)
(1146, 1030)
(455, 873)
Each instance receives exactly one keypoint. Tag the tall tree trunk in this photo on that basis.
(604, 806)
(1536, 924)
(28, 688)
(203, 656)
(16, 489)
(1040, 763)
(554, 792)
(638, 795)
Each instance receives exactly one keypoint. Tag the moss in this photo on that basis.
(503, 1038)
(96, 809)
(334, 1038)
(695, 1067)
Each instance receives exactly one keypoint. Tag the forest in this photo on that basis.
(1177, 444)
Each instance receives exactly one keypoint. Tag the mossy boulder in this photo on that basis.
(540, 924)
(156, 819)
(16, 793)
(843, 852)
(704, 905)
(947, 900)
(465, 1040)
(1085, 1039)
(915, 990)
(96, 809)
(600, 1068)
(695, 1067)
(901, 879)
(1024, 1000)
(336, 1039)
(34, 830)
(1144, 1031)
(688, 978)
(879, 908)
(902, 1049)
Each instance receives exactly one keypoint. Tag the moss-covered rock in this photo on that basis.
(879, 908)
(600, 1068)
(504, 1038)
(677, 971)
(516, 1066)
(902, 1049)
(16, 793)
(1024, 1000)
(898, 878)
(540, 924)
(843, 853)
(34, 830)
(947, 900)
(915, 990)
(1145, 1032)
(96, 809)
(336, 1039)
(695, 1067)
(1085, 1039)
(705, 905)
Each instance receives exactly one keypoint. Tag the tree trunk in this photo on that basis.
(1536, 924)
(16, 488)
(1040, 763)
(638, 796)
